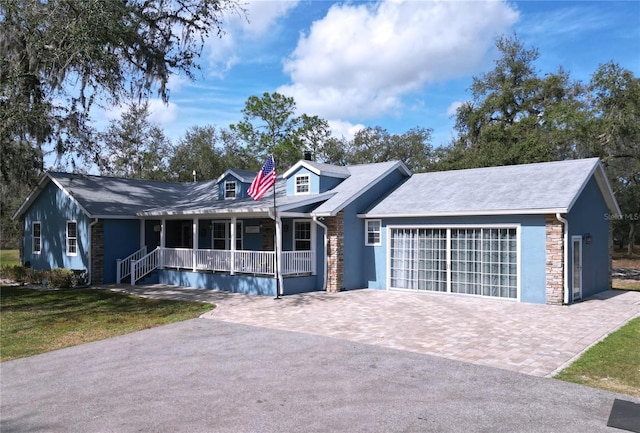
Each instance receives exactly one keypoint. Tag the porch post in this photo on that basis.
(142, 233)
(278, 251)
(163, 227)
(232, 235)
(194, 244)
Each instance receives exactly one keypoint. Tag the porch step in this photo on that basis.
(151, 278)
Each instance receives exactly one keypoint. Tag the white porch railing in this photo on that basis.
(123, 267)
(146, 264)
(254, 262)
(298, 262)
(234, 262)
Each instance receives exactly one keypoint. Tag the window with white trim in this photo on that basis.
(479, 261)
(373, 229)
(230, 190)
(221, 232)
(302, 236)
(302, 184)
(36, 237)
(72, 238)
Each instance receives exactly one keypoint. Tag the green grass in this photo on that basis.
(9, 257)
(34, 322)
(612, 364)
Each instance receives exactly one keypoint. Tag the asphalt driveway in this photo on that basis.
(215, 376)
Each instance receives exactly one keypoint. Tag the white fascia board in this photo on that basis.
(603, 184)
(237, 211)
(234, 174)
(312, 169)
(39, 188)
(35, 192)
(466, 213)
(307, 201)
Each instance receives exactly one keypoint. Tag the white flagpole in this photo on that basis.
(275, 234)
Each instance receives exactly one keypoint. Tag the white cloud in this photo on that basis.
(261, 17)
(453, 107)
(360, 59)
(162, 114)
(344, 129)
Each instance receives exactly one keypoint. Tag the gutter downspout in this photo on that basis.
(95, 221)
(565, 265)
(326, 242)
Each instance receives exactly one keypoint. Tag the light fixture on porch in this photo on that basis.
(587, 238)
(157, 228)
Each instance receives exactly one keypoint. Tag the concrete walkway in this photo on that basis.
(538, 340)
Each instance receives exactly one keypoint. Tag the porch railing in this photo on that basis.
(146, 264)
(123, 267)
(298, 262)
(234, 262)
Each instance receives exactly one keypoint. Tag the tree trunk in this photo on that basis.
(632, 237)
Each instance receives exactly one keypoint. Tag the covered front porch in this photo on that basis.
(248, 255)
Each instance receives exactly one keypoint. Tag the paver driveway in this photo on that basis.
(533, 339)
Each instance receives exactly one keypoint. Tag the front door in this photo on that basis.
(576, 268)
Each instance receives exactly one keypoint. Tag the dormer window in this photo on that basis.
(302, 184)
(230, 188)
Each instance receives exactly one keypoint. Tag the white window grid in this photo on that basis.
(230, 190)
(36, 237)
(302, 184)
(482, 261)
(72, 238)
(373, 232)
(302, 235)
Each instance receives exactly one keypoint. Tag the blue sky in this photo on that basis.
(392, 64)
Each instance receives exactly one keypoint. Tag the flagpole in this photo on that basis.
(275, 234)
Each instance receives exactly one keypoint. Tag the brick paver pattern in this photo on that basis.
(538, 340)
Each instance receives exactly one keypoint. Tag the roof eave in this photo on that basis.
(466, 213)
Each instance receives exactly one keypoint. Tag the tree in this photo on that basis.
(270, 127)
(135, 147)
(515, 116)
(376, 144)
(615, 95)
(61, 56)
(210, 152)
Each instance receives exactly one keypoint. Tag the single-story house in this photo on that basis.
(536, 233)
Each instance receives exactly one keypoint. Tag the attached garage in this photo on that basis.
(536, 233)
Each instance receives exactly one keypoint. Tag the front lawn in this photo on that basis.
(612, 364)
(34, 321)
(9, 257)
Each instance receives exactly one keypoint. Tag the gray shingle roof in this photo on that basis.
(361, 178)
(530, 188)
(118, 197)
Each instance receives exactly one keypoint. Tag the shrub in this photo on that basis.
(55, 278)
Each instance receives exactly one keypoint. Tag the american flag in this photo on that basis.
(264, 179)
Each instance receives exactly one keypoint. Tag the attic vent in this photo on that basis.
(308, 155)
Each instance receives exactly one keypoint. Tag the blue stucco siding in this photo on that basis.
(247, 284)
(532, 245)
(356, 256)
(589, 215)
(121, 238)
(53, 209)
(241, 187)
(314, 181)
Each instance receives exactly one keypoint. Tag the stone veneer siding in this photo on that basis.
(97, 253)
(554, 268)
(268, 231)
(335, 259)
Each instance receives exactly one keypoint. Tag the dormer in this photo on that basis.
(234, 183)
(309, 177)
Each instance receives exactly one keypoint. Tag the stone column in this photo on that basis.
(97, 253)
(554, 266)
(335, 252)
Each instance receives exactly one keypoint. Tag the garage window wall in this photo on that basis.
(476, 261)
